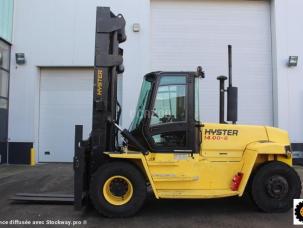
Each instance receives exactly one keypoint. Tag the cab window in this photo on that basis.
(170, 102)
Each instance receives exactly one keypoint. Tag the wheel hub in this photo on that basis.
(277, 187)
(118, 190)
(118, 187)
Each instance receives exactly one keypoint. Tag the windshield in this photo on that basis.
(143, 97)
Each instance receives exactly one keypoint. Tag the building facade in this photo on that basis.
(6, 19)
(52, 90)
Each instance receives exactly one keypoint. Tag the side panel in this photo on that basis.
(185, 176)
(183, 171)
(196, 176)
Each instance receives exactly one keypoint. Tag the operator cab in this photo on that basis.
(167, 114)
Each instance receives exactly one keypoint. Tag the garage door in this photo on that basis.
(186, 34)
(65, 100)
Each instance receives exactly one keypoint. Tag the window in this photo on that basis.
(3, 119)
(4, 55)
(3, 104)
(6, 19)
(170, 139)
(143, 98)
(170, 103)
(3, 83)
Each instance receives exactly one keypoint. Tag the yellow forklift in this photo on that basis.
(167, 148)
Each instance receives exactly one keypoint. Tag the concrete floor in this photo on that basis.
(232, 212)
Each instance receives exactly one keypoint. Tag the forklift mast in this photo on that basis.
(108, 63)
(89, 154)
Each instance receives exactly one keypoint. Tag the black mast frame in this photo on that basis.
(108, 63)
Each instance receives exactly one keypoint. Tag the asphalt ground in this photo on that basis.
(58, 178)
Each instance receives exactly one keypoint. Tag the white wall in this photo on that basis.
(287, 24)
(61, 33)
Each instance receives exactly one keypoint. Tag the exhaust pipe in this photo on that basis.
(232, 95)
(222, 80)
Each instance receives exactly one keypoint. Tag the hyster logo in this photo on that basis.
(223, 132)
(99, 82)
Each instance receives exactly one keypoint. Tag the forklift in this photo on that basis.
(167, 148)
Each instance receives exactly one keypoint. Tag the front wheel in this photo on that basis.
(117, 189)
(274, 186)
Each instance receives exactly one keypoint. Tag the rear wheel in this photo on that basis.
(117, 189)
(274, 186)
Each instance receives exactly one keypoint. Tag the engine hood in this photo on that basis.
(277, 135)
(231, 137)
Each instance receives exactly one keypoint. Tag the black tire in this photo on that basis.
(248, 190)
(112, 169)
(274, 186)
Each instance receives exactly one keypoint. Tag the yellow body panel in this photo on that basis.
(225, 151)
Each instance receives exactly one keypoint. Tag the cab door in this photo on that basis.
(170, 133)
(171, 125)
